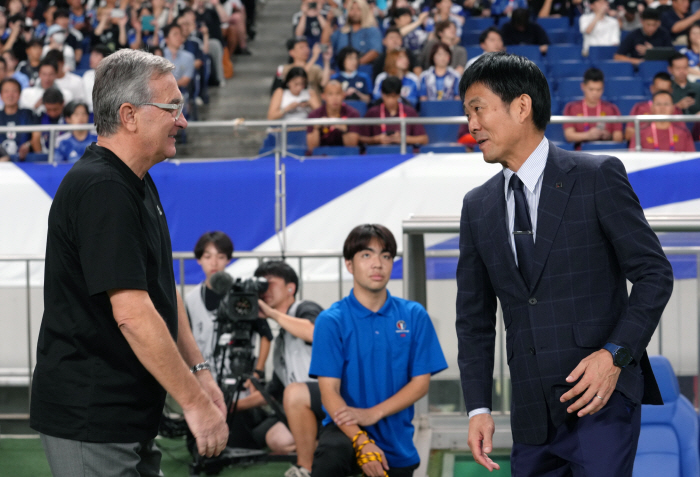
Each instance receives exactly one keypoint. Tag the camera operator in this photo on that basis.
(290, 382)
(213, 252)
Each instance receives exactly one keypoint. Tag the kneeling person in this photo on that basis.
(373, 355)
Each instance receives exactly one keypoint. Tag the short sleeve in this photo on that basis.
(308, 310)
(426, 352)
(262, 327)
(327, 351)
(111, 243)
(374, 39)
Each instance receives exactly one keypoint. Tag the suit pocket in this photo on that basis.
(592, 335)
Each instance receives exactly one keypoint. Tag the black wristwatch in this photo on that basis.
(621, 356)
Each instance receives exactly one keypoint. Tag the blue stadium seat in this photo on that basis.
(556, 107)
(473, 51)
(615, 69)
(697, 145)
(555, 132)
(569, 69)
(443, 148)
(647, 69)
(366, 69)
(470, 38)
(360, 106)
(336, 151)
(295, 139)
(668, 442)
(528, 51)
(565, 52)
(615, 88)
(36, 157)
(601, 53)
(438, 133)
(554, 23)
(478, 23)
(296, 151)
(603, 146)
(393, 149)
(559, 36)
(569, 89)
(626, 103)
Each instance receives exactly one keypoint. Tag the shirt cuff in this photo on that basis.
(480, 410)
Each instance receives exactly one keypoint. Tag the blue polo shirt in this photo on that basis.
(375, 355)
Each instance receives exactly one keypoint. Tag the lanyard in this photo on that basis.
(587, 126)
(654, 136)
(382, 114)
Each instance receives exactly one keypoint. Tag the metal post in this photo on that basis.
(301, 280)
(182, 277)
(52, 144)
(637, 135)
(29, 332)
(340, 278)
(283, 140)
(403, 135)
(283, 205)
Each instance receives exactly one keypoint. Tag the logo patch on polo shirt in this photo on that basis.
(401, 328)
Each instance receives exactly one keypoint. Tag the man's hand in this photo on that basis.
(374, 468)
(686, 102)
(383, 139)
(23, 151)
(480, 440)
(208, 426)
(206, 380)
(264, 310)
(598, 379)
(348, 416)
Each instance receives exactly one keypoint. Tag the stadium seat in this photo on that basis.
(615, 69)
(528, 51)
(295, 139)
(296, 151)
(556, 107)
(439, 133)
(336, 151)
(443, 148)
(603, 146)
(478, 23)
(647, 69)
(554, 23)
(393, 149)
(559, 35)
(555, 132)
(615, 88)
(36, 157)
(470, 37)
(601, 53)
(668, 441)
(565, 52)
(569, 69)
(569, 89)
(473, 51)
(360, 106)
(626, 103)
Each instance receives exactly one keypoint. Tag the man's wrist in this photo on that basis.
(480, 410)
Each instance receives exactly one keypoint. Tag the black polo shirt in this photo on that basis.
(106, 231)
(637, 37)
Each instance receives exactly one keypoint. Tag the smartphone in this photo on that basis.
(147, 23)
(691, 94)
(118, 13)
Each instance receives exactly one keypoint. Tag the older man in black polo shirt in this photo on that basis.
(114, 336)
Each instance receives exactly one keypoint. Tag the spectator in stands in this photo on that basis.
(356, 84)
(298, 50)
(685, 93)
(65, 80)
(360, 32)
(445, 10)
(505, 8)
(197, 43)
(414, 37)
(144, 32)
(392, 107)
(71, 145)
(490, 41)
(661, 82)
(80, 17)
(521, 31)
(477, 8)
(333, 107)
(445, 32)
(439, 82)
(598, 27)
(393, 41)
(294, 99)
(51, 113)
(397, 65)
(692, 51)
(98, 53)
(650, 35)
(677, 20)
(13, 70)
(629, 15)
(16, 143)
(73, 38)
(310, 21)
(592, 105)
(555, 8)
(211, 14)
(30, 67)
(664, 135)
(111, 29)
(236, 33)
(175, 52)
(31, 98)
(388, 20)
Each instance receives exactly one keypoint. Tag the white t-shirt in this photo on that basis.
(68, 56)
(73, 83)
(30, 96)
(88, 84)
(605, 33)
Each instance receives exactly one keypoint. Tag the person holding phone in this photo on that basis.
(294, 100)
(310, 21)
(684, 92)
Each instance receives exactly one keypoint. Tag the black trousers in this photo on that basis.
(335, 456)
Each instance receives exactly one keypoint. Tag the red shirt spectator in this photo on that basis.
(672, 138)
(333, 135)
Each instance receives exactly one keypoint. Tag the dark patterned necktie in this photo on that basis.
(522, 230)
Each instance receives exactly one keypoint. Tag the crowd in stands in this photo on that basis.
(599, 56)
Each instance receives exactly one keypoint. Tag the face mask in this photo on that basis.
(59, 38)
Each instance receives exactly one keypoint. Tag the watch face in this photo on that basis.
(622, 357)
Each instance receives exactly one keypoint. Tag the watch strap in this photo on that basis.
(200, 367)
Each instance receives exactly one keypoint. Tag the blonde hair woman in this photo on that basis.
(358, 30)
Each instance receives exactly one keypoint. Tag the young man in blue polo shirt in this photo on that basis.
(373, 355)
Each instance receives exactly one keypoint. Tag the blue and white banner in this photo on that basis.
(326, 198)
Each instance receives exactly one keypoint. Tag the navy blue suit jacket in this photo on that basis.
(591, 237)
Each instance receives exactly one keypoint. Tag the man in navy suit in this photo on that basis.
(554, 236)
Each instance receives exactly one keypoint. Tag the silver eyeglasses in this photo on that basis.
(169, 107)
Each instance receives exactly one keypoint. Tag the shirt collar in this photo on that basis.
(124, 170)
(360, 311)
(532, 168)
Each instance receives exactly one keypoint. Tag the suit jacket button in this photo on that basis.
(532, 301)
(532, 351)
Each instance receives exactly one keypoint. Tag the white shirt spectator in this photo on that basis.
(73, 83)
(88, 84)
(605, 33)
(68, 56)
(30, 96)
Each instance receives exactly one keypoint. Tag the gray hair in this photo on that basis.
(123, 77)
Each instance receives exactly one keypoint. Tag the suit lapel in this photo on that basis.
(556, 189)
(494, 207)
